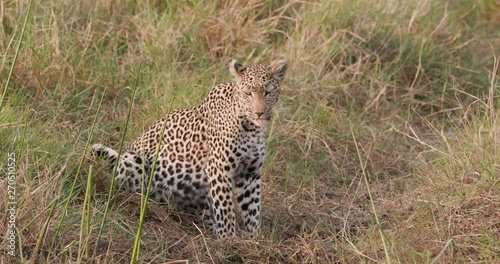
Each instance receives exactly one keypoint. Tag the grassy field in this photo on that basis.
(385, 146)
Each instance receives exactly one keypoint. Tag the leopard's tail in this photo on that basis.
(100, 151)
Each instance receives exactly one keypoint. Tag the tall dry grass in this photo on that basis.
(389, 102)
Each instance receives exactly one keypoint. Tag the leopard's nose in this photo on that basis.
(259, 114)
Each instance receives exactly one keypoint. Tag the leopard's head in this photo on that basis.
(259, 88)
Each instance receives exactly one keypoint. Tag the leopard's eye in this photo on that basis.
(267, 93)
(248, 93)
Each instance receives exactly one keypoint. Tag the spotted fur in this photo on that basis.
(211, 153)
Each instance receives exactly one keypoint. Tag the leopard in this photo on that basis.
(209, 157)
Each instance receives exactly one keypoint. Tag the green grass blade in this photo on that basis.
(120, 147)
(41, 238)
(144, 199)
(448, 243)
(15, 55)
(85, 222)
(73, 185)
(365, 177)
(89, 206)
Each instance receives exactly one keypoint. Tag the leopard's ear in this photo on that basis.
(236, 69)
(279, 70)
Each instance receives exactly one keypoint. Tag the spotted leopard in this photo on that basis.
(209, 153)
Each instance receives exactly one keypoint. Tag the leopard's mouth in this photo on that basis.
(261, 122)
